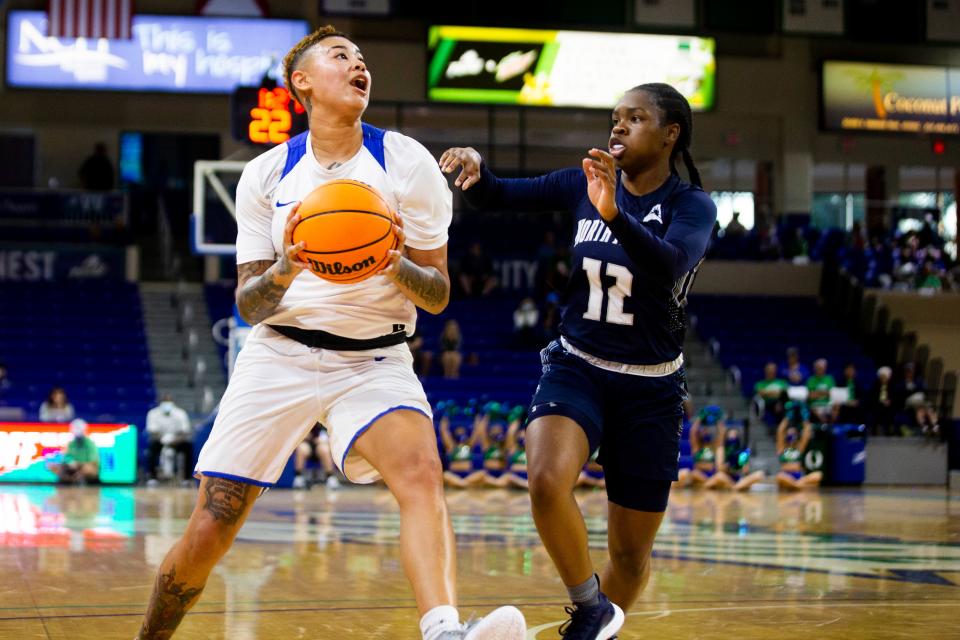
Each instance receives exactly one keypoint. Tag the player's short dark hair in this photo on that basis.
(675, 109)
(293, 57)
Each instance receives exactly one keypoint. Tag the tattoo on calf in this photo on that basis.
(425, 282)
(226, 500)
(169, 603)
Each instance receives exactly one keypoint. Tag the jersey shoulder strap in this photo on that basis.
(296, 148)
(373, 141)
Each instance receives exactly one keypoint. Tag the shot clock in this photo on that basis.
(265, 116)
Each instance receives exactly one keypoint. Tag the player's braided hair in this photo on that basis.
(293, 57)
(675, 109)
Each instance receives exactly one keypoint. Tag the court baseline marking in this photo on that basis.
(663, 613)
(657, 613)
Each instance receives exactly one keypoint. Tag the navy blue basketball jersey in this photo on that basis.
(614, 307)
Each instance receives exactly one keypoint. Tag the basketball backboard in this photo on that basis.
(213, 228)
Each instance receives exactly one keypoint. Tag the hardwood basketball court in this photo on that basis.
(79, 563)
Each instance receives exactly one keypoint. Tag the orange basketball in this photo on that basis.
(348, 229)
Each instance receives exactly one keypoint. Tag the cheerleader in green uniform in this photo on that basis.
(458, 442)
(734, 462)
(516, 471)
(791, 445)
(592, 474)
(704, 432)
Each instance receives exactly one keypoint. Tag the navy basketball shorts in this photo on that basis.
(636, 421)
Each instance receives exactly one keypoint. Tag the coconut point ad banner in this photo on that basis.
(860, 96)
(536, 67)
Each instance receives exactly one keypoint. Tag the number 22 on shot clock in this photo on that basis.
(271, 120)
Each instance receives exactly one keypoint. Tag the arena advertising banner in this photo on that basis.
(890, 98)
(43, 516)
(167, 53)
(31, 263)
(27, 448)
(564, 68)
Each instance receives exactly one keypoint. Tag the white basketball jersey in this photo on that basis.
(407, 176)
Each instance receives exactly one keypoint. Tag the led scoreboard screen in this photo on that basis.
(536, 67)
(266, 116)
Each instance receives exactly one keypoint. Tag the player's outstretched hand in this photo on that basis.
(290, 263)
(601, 173)
(468, 159)
(392, 266)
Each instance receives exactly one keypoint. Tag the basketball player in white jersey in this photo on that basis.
(331, 353)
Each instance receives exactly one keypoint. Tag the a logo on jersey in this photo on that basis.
(281, 205)
(338, 268)
(654, 214)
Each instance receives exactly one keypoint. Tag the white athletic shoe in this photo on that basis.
(299, 482)
(505, 623)
(332, 482)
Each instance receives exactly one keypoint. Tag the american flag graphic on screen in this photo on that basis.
(90, 18)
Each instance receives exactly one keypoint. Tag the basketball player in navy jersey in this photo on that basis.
(615, 377)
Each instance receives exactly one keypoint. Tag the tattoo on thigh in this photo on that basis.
(226, 500)
(169, 603)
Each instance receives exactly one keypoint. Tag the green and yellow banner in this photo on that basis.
(538, 67)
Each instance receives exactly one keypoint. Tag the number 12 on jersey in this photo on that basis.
(620, 289)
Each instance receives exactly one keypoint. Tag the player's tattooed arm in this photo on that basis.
(262, 283)
(421, 275)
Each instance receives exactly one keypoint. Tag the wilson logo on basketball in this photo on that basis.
(338, 268)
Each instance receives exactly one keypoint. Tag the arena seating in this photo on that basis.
(86, 336)
(754, 330)
(502, 373)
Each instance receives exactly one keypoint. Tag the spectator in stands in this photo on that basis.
(477, 277)
(553, 265)
(850, 410)
(928, 278)
(768, 242)
(526, 319)
(791, 445)
(422, 358)
(81, 462)
(770, 394)
(910, 394)
(796, 247)
(96, 172)
(818, 387)
(316, 447)
(551, 317)
(881, 408)
(5, 384)
(793, 371)
(735, 228)
(451, 343)
(171, 437)
(56, 408)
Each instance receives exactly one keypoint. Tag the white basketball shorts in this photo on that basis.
(281, 388)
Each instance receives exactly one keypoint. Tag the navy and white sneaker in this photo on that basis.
(599, 622)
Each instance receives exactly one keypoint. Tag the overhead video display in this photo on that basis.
(167, 53)
(564, 68)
